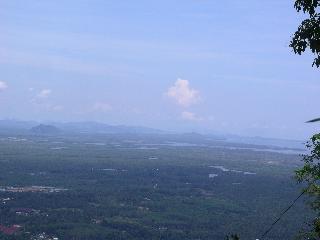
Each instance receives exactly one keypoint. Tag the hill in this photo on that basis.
(45, 130)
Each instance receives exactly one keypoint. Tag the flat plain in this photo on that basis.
(147, 186)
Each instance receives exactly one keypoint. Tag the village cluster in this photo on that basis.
(25, 212)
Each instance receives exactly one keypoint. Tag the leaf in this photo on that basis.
(314, 120)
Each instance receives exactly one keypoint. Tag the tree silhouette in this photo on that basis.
(308, 34)
(310, 174)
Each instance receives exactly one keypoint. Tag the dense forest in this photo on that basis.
(144, 187)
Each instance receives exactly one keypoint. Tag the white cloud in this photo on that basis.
(183, 94)
(190, 116)
(45, 93)
(3, 86)
(102, 107)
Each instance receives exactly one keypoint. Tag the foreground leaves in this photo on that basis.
(310, 174)
(308, 34)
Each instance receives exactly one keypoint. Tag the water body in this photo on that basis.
(224, 169)
(296, 151)
(284, 151)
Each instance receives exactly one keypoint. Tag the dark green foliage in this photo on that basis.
(308, 34)
(168, 196)
(307, 6)
(310, 174)
(314, 120)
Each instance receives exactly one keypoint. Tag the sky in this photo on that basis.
(181, 65)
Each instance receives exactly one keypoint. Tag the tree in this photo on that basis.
(310, 174)
(308, 34)
(308, 37)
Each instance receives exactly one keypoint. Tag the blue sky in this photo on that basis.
(187, 65)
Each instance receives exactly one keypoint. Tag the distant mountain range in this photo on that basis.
(72, 127)
(43, 129)
(96, 127)
(53, 128)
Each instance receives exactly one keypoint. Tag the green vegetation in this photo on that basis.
(308, 37)
(146, 187)
(310, 174)
(308, 34)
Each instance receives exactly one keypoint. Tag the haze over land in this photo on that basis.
(174, 65)
(171, 120)
(144, 186)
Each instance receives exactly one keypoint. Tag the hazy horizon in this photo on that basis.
(172, 65)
